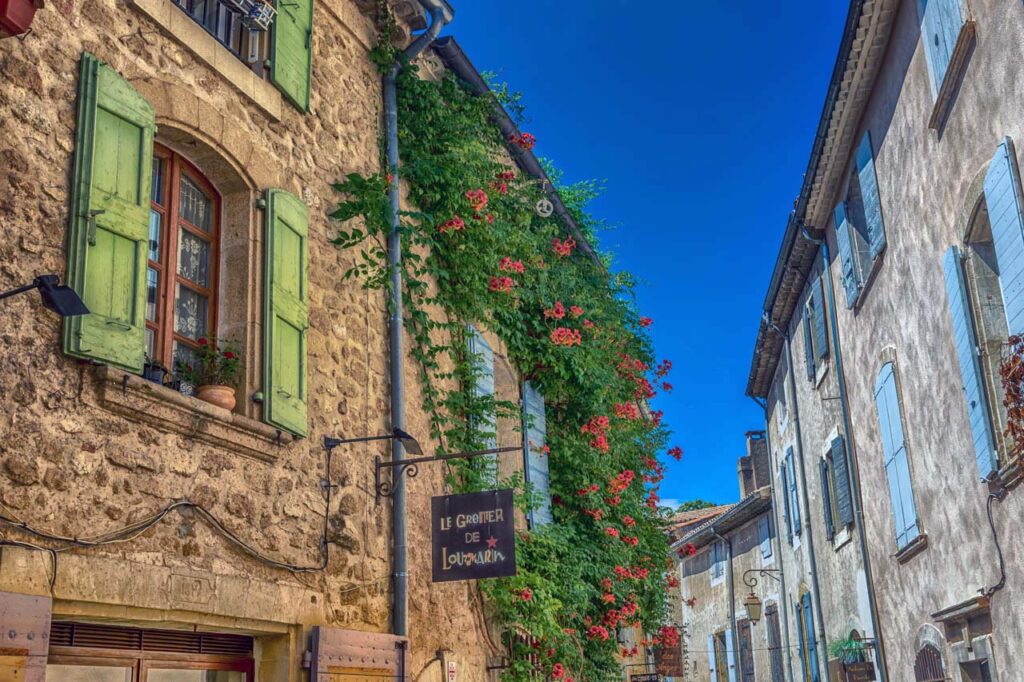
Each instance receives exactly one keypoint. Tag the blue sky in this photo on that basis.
(700, 117)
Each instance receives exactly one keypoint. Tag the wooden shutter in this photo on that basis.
(109, 226)
(535, 434)
(787, 512)
(841, 482)
(847, 257)
(1003, 197)
(764, 536)
(794, 501)
(24, 632)
(483, 387)
(730, 655)
(808, 341)
(711, 658)
(940, 30)
(966, 341)
(801, 638)
(291, 49)
(897, 467)
(874, 226)
(826, 499)
(820, 326)
(812, 652)
(286, 313)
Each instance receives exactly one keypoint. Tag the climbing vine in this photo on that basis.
(476, 251)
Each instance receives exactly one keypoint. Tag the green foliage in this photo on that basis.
(694, 505)
(847, 650)
(602, 563)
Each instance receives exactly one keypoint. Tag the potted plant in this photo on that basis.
(154, 371)
(213, 373)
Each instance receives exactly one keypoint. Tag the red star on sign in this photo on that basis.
(492, 543)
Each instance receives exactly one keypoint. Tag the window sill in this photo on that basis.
(842, 539)
(821, 372)
(915, 547)
(954, 73)
(168, 410)
(179, 26)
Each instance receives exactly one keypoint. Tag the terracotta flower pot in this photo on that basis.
(221, 396)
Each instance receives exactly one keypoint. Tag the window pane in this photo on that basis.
(191, 313)
(194, 259)
(152, 281)
(155, 220)
(157, 192)
(195, 676)
(87, 673)
(150, 343)
(185, 356)
(195, 206)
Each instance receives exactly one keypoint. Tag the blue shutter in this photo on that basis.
(730, 655)
(826, 499)
(808, 342)
(483, 387)
(874, 227)
(897, 467)
(764, 535)
(711, 657)
(812, 652)
(535, 432)
(940, 32)
(801, 638)
(841, 482)
(1002, 195)
(785, 502)
(820, 328)
(794, 501)
(845, 237)
(966, 340)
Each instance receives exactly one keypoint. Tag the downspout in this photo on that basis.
(440, 15)
(858, 509)
(732, 604)
(815, 587)
(778, 542)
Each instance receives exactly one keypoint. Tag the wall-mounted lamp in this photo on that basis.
(752, 602)
(410, 444)
(60, 298)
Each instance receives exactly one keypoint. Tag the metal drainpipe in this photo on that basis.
(858, 509)
(440, 15)
(732, 605)
(815, 587)
(778, 541)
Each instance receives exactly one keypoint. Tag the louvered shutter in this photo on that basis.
(845, 238)
(535, 434)
(897, 468)
(291, 49)
(785, 501)
(794, 501)
(966, 341)
(874, 226)
(826, 499)
(841, 482)
(109, 227)
(939, 31)
(808, 342)
(730, 655)
(286, 313)
(483, 387)
(820, 326)
(711, 658)
(1003, 197)
(764, 536)
(812, 651)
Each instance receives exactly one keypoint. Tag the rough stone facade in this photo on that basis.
(84, 449)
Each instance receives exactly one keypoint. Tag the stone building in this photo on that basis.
(725, 554)
(192, 158)
(911, 208)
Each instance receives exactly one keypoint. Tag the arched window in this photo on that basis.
(181, 280)
(928, 665)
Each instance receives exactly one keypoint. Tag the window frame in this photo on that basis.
(174, 165)
(225, 13)
(718, 560)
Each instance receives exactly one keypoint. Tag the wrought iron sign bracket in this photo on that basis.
(410, 467)
(751, 582)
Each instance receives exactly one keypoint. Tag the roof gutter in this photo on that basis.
(441, 13)
(455, 59)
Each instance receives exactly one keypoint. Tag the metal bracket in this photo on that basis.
(410, 468)
(751, 581)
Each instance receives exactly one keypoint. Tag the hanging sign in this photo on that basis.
(668, 661)
(860, 672)
(473, 536)
(453, 675)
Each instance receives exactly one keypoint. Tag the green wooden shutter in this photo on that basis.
(291, 50)
(807, 322)
(109, 226)
(841, 481)
(285, 313)
(820, 327)
(826, 499)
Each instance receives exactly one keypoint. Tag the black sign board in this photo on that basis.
(473, 536)
(860, 672)
(645, 677)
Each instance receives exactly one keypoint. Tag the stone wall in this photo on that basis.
(86, 449)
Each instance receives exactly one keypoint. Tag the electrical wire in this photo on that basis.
(999, 550)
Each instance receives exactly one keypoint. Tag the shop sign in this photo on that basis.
(860, 672)
(473, 536)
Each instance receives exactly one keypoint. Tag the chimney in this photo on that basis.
(753, 468)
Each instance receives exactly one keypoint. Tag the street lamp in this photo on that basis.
(752, 602)
(60, 298)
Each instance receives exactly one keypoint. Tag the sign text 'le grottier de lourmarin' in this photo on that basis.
(473, 536)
